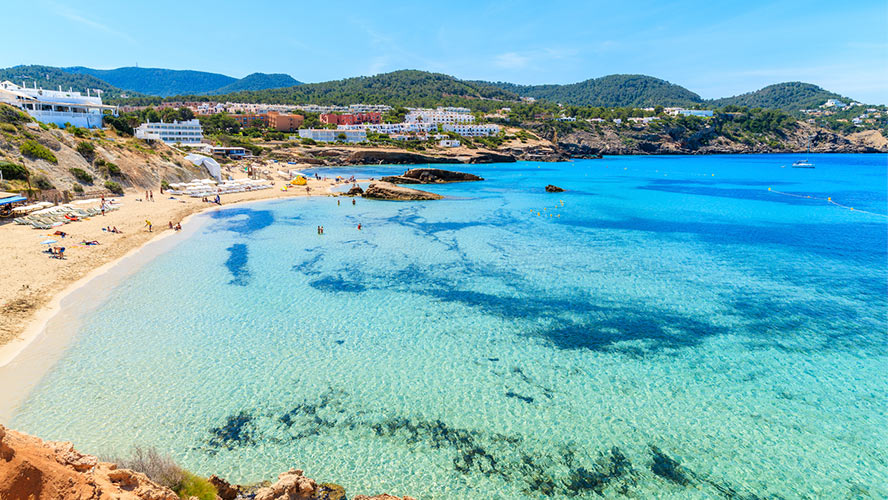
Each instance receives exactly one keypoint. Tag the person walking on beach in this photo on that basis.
(148, 224)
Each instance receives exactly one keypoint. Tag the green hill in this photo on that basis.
(49, 77)
(789, 96)
(258, 81)
(610, 91)
(399, 88)
(158, 81)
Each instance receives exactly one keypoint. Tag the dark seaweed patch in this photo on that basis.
(340, 342)
(515, 395)
(493, 359)
(309, 266)
(337, 284)
(667, 468)
(233, 433)
(609, 467)
(237, 264)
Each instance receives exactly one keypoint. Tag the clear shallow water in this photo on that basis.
(667, 332)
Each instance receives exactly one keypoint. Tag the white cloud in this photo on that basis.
(71, 15)
(511, 60)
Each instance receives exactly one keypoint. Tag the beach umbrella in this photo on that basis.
(48, 242)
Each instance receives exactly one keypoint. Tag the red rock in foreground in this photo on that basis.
(33, 469)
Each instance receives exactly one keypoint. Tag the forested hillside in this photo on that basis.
(789, 96)
(610, 91)
(258, 81)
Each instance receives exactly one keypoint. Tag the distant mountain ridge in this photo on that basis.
(169, 82)
(49, 77)
(404, 88)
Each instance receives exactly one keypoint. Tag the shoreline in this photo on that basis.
(24, 360)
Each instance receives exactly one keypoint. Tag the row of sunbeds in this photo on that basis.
(56, 216)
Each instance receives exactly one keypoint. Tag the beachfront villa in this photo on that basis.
(449, 143)
(57, 106)
(331, 135)
(185, 132)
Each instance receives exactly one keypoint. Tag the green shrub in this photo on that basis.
(77, 188)
(308, 142)
(112, 169)
(86, 149)
(195, 486)
(44, 126)
(77, 131)
(33, 149)
(8, 114)
(81, 175)
(114, 187)
(8, 127)
(164, 184)
(13, 171)
(42, 183)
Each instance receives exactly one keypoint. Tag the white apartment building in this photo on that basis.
(393, 128)
(333, 135)
(187, 132)
(440, 115)
(449, 143)
(58, 107)
(469, 130)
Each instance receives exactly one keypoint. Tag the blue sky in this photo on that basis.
(714, 48)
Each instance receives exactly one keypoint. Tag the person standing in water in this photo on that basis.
(353, 201)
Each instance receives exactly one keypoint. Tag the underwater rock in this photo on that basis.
(330, 491)
(553, 189)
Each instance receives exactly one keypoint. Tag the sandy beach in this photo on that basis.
(32, 284)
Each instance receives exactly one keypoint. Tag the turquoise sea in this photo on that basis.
(668, 327)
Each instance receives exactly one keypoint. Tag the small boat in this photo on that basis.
(804, 163)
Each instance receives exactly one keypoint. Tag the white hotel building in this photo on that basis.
(393, 128)
(468, 130)
(187, 132)
(440, 115)
(333, 135)
(56, 106)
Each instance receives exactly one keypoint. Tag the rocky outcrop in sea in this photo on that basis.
(387, 191)
(430, 176)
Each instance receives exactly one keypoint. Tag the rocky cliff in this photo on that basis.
(646, 141)
(33, 469)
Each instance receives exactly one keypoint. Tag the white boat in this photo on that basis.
(804, 163)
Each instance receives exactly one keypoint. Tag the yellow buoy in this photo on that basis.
(538, 214)
(769, 189)
(829, 199)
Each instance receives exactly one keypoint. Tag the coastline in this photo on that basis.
(47, 332)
